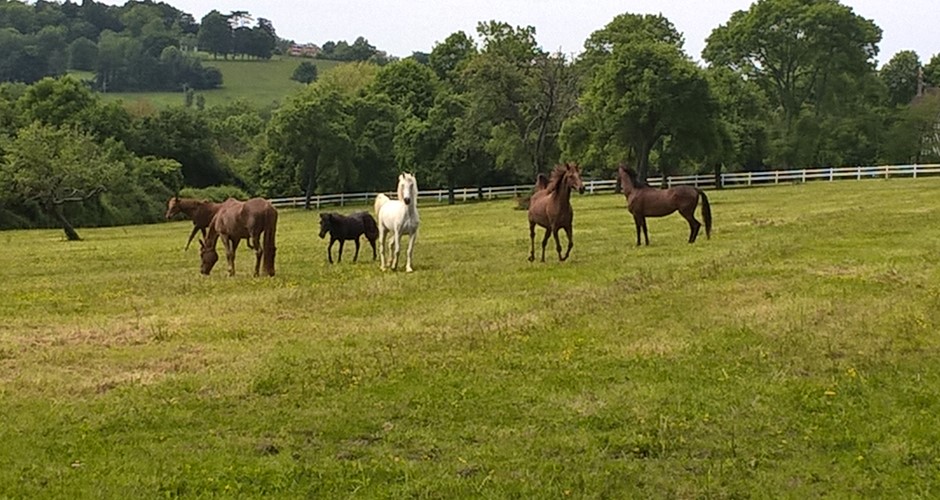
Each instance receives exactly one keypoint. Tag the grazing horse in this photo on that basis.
(644, 201)
(236, 220)
(342, 228)
(398, 217)
(200, 211)
(550, 207)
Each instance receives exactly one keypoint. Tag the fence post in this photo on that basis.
(830, 174)
(749, 174)
(915, 170)
(887, 169)
(776, 177)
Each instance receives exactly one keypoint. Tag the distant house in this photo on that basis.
(303, 50)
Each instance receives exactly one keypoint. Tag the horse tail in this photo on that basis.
(269, 249)
(706, 214)
(371, 228)
(380, 199)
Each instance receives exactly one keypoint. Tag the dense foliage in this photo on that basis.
(787, 83)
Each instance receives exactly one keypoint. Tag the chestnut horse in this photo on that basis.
(644, 201)
(201, 213)
(236, 220)
(550, 207)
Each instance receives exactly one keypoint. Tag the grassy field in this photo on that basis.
(262, 83)
(792, 355)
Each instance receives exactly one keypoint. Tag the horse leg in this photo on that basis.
(395, 248)
(532, 239)
(639, 225)
(694, 225)
(329, 250)
(383, 233)
(356, 255)
(339, 258)
(548, 234)
(372, 242)
(230, 246)
(255, 244)
(646, 234)
(411, 250)
(557, 243)
(192, 235)
(568, 232)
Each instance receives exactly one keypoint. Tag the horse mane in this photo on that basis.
(558, 173)
(634, 178)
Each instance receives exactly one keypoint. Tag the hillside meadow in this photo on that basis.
(261, 83)
(794, 354)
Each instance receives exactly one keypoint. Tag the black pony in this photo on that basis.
(343, 227)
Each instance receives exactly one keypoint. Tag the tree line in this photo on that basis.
(784, 84)
(140, 46)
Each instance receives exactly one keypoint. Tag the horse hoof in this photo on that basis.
(531, 258)
(409, 270)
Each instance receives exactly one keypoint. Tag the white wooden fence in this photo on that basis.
(728, 180)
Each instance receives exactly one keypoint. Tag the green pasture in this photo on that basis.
(794, 354)
(261, 83)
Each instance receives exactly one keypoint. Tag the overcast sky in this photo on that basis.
(400, 27)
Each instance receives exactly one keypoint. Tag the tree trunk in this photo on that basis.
(643, 161)
(451, 194)
(70, 233)
(308, 192)
(311, 183)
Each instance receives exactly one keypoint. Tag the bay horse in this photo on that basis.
(398, 217)
(236, 220)
(644, 201)
(199, 211)
(343, 227)
(550, 207)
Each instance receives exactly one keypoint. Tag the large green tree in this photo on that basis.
(900, 75)
(215, 34)
(644, 91)
(308, 142)
(409, 84)
(801, 53)
(54, 167)
(449, 57)
(932, 71)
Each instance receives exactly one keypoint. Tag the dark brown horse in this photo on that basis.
(644, 201)
(343, 227)
(236, 220)
(200, 211)
(550, 206)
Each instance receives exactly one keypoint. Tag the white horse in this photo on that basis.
(400, 217)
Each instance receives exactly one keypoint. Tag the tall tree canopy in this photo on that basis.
(900, 75)
(801, 53)
(52, 167)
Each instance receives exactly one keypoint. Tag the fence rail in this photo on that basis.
(726, 180)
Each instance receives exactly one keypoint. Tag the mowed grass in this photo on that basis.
(261, 83)
(792, 355)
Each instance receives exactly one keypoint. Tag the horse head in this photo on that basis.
(407, 188)
(573, 177)
(324, 224)
(173, 206)
(208, 257)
